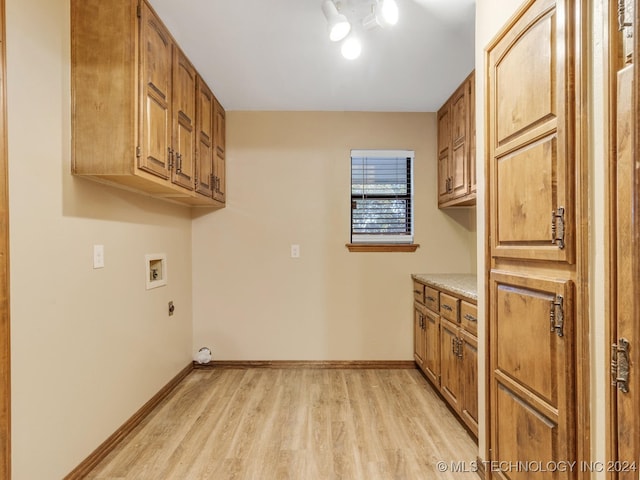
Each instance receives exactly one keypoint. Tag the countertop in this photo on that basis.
(463, 284)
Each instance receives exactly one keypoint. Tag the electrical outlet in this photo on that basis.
(295, 251)
(171, 308)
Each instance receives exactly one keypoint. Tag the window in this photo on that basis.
(382, 197)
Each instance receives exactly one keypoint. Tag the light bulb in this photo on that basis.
(389, 12)
(339, 26)
(351, 48)
(339, 30)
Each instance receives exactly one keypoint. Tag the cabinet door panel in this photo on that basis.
(525, 195)
(449, 364)
(432, 345)
(156, 65)
(469, 380)
(419, 334)
(523, 434)
(531, 163)
(220, 128)
(204, 131)
(184, 118)
(526, 77)
(219, 167)
(444, 128)
(532, 368)
(459, 171)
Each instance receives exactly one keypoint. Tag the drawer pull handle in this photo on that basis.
(417, 292)
(447, 307)
(433, 299)
(471, 318)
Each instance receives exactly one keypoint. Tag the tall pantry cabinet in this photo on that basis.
(138, 119)
(536, 239)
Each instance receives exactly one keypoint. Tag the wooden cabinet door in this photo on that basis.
(624, 421)
(205, 147)
(220, 127)
(220, 177)
(419, 334)
(458, 169)
(531, 363)
(531, 137)
(432, 345)
(469, 380)
(471, 84)
(449, 365)
(155, 92)
(184, 120)
(444, 129)
(444, 152)
(219, 168)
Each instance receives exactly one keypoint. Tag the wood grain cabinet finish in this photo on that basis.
(446, 348)
(138, 115)
(419, 334)
(456, 147)
(536, 300)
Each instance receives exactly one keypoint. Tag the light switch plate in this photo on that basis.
(98, 256)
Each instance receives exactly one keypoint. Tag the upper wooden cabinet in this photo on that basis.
(142, 117)
(456, 147)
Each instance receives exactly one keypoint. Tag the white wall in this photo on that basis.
(89, 347)
(289, 183)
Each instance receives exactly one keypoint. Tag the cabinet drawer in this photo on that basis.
(469, 317)
(431, 298)
(418, 292)
(449, 307)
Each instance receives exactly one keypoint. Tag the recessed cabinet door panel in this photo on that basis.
(432, 341)
(204, 129)
(523, 434)
(418, 333)
(469, 404)
(219, 191)
(444, 128)
(219, 166)
(531, 167)
(459, 171)
(525, 75)
(531, 338)
(156, 64)
(525, 196)
(449, 364)
(184, 96)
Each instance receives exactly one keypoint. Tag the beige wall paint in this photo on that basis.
(89, 347)
(289, 183)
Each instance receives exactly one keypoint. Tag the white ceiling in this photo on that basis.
(276, 54)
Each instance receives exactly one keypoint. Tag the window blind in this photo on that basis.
(381, 196)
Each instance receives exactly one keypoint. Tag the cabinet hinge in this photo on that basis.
(138, 151)
(620, 365)
(556, 316)
(557, 227)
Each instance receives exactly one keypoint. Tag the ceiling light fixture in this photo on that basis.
(339, 26)
(345, 15)
(384, 14)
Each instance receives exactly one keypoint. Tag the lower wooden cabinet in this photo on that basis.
(446, 348)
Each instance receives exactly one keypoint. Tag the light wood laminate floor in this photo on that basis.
(296, 424)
